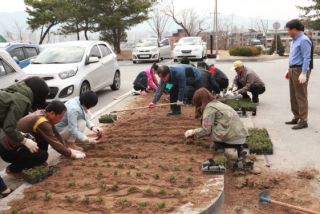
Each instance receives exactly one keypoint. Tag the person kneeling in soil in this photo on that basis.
(247, 80)
(219, 121)
(175, 80)
(76, 119)
(40, 125)
(146, 80)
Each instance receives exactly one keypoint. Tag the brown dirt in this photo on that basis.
(110, 181)
(242, 192)
(124, 55)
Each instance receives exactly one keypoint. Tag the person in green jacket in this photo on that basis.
(219, 121)
(16, 102)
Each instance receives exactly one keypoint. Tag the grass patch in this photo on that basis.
(240, 104)
(108, 118)
(259, 142)
(221, 160)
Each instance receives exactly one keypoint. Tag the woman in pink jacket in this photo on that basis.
(146, 80)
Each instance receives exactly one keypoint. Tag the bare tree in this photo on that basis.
(158, 22)
(19, 30)
(189, 20)
(263, 26)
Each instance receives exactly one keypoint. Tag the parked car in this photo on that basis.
(71, 68)
(21, 52)
(10, 72)
(192, 47)
(150, 50)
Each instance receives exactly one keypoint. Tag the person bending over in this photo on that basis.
(146, 80)
(76, 119)
(219, 121)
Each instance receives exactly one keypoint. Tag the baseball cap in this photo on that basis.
(237, 64)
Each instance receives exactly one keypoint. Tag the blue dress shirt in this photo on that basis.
(300, 52)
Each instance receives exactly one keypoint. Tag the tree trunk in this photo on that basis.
(86, 34)
(43, 36)
(117, 40)
(78, 33)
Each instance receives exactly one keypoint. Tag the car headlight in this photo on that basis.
(68, 74)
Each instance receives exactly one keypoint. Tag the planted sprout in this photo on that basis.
(121, 165)
(191, 159)
(46, 196)
(95, 164)
(100, 174)
(115, 173)
(33, 196)
(142, 204)
(139, 174)
(87, 184)
(85, 200)
(71, 174)
(189, 179)
(108, 165)
(162, 192)
(189, 169)
(71, 184)
(163, 166)
(114, 187)
(132, 189)
(132, 166)
(14, 211)
(156, 176)
(176, 168)
(172, 179)
(100, 199)
(128, 173)
(69, 199)
(177, 193)
(161, 205)
(146, 166)
(83, 164)
(148, 190)
(124, 203)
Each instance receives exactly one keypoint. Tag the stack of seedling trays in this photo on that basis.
(108, 118)
(38, 174)
(242, 105)
(216, 165)
(259, 142)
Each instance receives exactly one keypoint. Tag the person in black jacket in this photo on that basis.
(206, 78)
(218, 78)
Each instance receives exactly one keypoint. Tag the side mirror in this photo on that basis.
(16, 60)
(92, 59)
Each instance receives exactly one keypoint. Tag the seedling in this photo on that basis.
(108, 118)
(177, 193)
(162, 192)
(102, 185)
(163, 166)
(161, 205)
(221, 160)
(46, 196)
(189, 179)
(115, 173)
(100, 199)
(156, 176)
(148, 190)
(189, 169)
(176, 168)
(121, 165)
(139, 174)
(100, 174)
(29, 212)
(191, 159)
(95, 164)
(71, 184)
(108, 165)
(132, 189)
(71, 174)
(142, 204)
(114, 187)
(33, 196)
(172, 179)
(87, 184)
(146, 166)
(86, 200)
(83, 164)
(124, 203)
(69, 199)
(132, 166)
(14, 211)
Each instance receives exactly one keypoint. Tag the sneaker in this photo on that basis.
(17, 175)
(172, 113)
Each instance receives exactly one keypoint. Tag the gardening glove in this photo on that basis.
(286, 76)
(234, 89)
(93, 141)
(189, 134)
(97, 130)
(302, 78)
(31, 145)
(179, 103)
(77, 154)
(236, 93)
(152, 106)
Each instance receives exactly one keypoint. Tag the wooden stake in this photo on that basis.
(293, 207)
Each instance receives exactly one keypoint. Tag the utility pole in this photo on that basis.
(216, 26)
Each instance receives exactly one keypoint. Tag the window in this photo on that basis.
(95, 52)
(5, 69)
(17, 52)
(104, 50)
(30, 52)
(165, 42)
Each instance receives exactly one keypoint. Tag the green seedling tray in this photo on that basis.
(241, 104)
(259, 142)
(38, 174)
(108, 118)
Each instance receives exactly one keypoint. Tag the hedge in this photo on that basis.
(245, 51)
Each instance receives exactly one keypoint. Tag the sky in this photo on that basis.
(268, 9)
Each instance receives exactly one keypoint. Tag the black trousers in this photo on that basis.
(256, 90)
(22, 158)
(174, 92)
(220, 86)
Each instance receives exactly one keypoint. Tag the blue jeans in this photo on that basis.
(3, 186)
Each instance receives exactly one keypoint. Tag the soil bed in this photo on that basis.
(144, 166)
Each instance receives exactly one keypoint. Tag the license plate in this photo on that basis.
(144, 56)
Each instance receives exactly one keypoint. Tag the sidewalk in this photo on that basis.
(225, 57)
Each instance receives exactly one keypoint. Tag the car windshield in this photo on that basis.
(147, 43)
(190, 41)
(60, 55)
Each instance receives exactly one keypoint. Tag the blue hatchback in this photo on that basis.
(21, 52)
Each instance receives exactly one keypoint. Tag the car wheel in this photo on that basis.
(116, 81)
(134, 62)
(85, 87)
(175, 60)
(159, 59)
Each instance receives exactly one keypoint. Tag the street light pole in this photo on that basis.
(216, 26)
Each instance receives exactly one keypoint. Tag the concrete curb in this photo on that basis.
(250, 60)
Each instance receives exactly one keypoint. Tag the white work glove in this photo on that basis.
(97, 129)
(93, 141)
(77, 154)
(302, 78)
(179, 103)
(236, 93)
(189, 134)
(234, 89)
(31, 145)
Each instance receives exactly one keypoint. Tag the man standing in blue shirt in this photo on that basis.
(176, 79)
(298, 74)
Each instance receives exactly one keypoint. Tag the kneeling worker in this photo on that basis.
(175, 79)
(219, 121)
(247, 80)
(40, 124)
(76, 119)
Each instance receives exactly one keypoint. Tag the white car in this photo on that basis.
(192, 47)
(10, 72)
(150, 50)
(71, 68)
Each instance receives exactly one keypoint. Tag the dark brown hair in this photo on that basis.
(200, 100)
